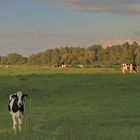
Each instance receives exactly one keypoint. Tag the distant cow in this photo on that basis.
(125, 68)
(131, 68)
(16, 108)
(60, 65)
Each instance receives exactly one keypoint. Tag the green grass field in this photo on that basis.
(72, 103)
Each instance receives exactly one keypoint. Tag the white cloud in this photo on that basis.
(26, 43)
(137, 34)
(115, 40)
(122, 7)
(23, 42)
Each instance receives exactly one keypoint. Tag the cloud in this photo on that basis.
(23, 42)
(26, 43)
(76, 1)
(137, 34)
(115, 41)
(106, 2)
(122, 7)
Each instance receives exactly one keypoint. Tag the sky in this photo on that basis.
(33, 26)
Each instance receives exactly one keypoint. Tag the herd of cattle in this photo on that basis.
(126, 68)
(130, 68)
(17, 100)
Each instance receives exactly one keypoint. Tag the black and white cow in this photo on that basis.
(125, 68)
(131, 68)
(16, 108)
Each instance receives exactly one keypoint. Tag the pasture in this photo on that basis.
(72, 103)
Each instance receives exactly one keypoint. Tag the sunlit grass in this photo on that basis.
(31, 69)
(72, 104)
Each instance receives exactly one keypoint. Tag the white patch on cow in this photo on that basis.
(125, 68)
(19, 95)
(10, 97)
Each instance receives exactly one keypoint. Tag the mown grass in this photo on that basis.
(73, 105)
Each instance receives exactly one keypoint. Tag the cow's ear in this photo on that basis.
(25, 95)
(13, 96)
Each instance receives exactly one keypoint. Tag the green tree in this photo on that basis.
(15, 58)
(137, 53)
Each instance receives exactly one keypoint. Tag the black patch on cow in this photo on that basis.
(21, 109)
(9, 105)
(134, 67)
(16, 108)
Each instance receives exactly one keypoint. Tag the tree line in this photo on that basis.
(93, 55)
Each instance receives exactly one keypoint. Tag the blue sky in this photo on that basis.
(32, 26)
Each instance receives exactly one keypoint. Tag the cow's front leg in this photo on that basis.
(14, 124)
(20, 123)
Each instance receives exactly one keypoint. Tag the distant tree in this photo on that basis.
(3, 60)
(15, 58)
(96, 54)
(137, 55)
(56, 57)
(96, 50)
(126, 56)
(34, 59)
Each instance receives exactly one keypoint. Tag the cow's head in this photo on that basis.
(19, 97)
